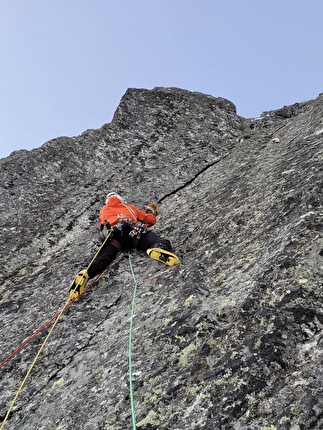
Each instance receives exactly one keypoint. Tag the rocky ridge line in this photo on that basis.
(231, 338)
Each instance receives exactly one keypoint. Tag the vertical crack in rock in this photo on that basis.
(230, 338)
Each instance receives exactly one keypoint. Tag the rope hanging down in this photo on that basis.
(33, 364)
(56, 318)
(47, 323)
(46, 339)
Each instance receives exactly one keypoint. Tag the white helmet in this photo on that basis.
(113, 194)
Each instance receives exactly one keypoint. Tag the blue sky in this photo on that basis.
(65, 64)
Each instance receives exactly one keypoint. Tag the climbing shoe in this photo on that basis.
(166, 257)
(78, 285)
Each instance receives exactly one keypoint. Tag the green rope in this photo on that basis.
(133, 415)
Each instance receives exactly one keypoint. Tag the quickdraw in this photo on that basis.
(137, 228)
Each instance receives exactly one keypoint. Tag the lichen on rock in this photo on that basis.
(229, 339)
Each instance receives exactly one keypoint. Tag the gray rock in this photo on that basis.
(229, 339)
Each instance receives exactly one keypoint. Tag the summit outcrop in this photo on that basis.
(229, 339)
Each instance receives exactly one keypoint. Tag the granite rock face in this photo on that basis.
(229, 339)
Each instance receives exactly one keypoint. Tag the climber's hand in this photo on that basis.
(153, 207)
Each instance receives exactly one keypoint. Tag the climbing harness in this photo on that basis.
(56, 319)
(136, 228)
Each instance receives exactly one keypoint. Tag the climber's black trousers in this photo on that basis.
(121, 241)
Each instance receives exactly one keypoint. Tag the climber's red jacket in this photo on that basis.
(115, 210)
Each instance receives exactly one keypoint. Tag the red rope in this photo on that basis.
(57, 314)
(48, 322)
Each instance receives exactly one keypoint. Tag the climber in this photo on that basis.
(127, 227)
